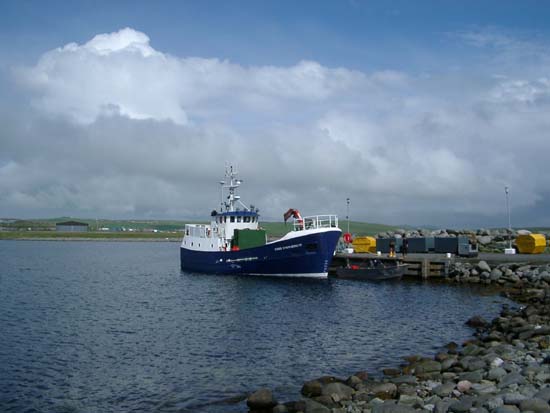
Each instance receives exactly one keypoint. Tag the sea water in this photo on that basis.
(118, 327)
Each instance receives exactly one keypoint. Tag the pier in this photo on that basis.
(436, 265)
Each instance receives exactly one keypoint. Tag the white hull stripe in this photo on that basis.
(304, 275)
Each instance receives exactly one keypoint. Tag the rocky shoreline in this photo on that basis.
(504, 368)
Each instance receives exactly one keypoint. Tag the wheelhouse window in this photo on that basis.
(232, 218)
(239, 218)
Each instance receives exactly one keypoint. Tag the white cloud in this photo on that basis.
(119, 128)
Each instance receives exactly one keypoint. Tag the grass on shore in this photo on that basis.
(88, 235)
(45, 230)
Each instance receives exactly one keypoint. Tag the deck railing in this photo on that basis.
(315, 222)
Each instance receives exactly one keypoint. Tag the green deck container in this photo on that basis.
(249, 238)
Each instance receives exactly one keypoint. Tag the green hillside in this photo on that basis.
(144, 228)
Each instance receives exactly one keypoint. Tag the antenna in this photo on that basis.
(347, 212)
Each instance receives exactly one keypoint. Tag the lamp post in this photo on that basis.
(347, 212)
(506, 191)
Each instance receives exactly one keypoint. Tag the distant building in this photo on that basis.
(71, 226)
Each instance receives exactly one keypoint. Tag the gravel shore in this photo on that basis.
(504, 368)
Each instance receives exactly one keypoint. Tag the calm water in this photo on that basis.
(117, 327)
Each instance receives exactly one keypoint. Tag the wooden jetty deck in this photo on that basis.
(435, 265)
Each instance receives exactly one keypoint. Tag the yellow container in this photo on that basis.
(531, 244)
(364, 244)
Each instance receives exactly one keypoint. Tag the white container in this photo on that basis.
(348, 250)
(510, 251)
(448, 255)
(378, 253)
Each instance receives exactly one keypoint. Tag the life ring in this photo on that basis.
(347, 238)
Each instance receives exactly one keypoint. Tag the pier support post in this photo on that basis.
(425, 268)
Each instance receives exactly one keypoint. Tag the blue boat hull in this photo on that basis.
(308, 255)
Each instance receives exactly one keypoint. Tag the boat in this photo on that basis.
(234, 243)
(372, 270)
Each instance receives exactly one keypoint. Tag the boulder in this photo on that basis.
(463, 386)
(427, 366)
(312, 388)
(534, 405)
(472, 376)
(280, 408)
(543, 394)
(315, 407)
(390, 407)
(384, 391)
(461, 406)
(484, 239)
(444, 390)
(496, 373)
(495, 274)
(511, 378)
(354, 381)
(477, 322)
(340, 390)
(482, 266)
(506, 409)
(513, 398)
(261, 400)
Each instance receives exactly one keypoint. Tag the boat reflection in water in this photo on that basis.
(372, 270)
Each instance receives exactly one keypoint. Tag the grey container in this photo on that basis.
(446, 244)
(421, 244)
(383, 244)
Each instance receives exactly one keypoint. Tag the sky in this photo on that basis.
(421, 113)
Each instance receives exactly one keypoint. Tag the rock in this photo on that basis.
(493, 403)
(413, 401)
(486, 387)
(472, 376)
(296, 406)
(484, 240)
(280, 408)
(496, 274)
(328, 401)
(534, 405)
(405, 379)
(363, 375)
(312, 388)
(483, 266)
(511, 378)
(496, 373)
(341, 391)
(444, 390)
(391, 372)
(385, 391)
(448, 363)
(427, 366)
(391, 407)
(315, 407)
(513, 398)
(261, 399)
(543, 394)
(463, 386)
(475, 364)
(442, 406)
(477, 322)
(507, 409)
(354, 381)
(461, 406)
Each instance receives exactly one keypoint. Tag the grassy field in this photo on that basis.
(45, 229)
(90, 235)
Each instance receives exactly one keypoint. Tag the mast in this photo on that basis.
(231, 183)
